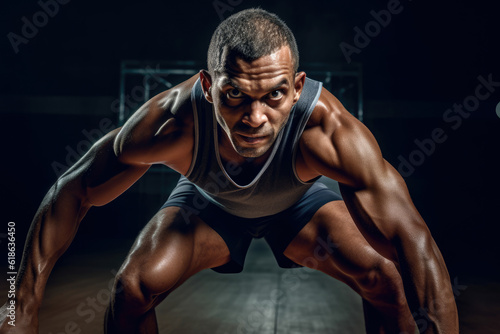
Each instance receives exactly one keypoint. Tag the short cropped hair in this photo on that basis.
(250, 34)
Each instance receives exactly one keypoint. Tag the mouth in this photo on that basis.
(252, 139)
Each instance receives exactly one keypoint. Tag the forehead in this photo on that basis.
(257, 74)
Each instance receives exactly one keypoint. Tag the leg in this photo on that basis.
(167, 252)
(352, 260)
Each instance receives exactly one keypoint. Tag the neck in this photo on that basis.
(247, 168)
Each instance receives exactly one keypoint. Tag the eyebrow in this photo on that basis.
(230, 82)
(281, 83)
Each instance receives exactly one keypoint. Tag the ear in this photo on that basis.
(300, 79)
(206, 85)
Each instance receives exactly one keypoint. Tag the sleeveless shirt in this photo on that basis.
(276, 186)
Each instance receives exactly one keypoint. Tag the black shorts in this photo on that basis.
(237, 232)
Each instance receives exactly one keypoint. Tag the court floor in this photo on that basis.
(262, 299)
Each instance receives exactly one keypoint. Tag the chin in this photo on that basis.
(251, 152)
(246, 153)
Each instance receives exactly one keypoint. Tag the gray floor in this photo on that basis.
(262, 299)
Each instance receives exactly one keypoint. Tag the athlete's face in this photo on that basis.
(252, 100)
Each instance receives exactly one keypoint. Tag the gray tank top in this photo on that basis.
(276, 186)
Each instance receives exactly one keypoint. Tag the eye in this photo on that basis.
(234, 94)
(275, 95)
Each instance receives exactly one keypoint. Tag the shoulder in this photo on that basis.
(315, 144)
(336, 144)
(175, 102)
(329, 115)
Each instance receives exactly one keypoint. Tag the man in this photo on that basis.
(250, 137)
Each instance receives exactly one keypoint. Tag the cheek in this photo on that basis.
(281, 116)
(225, 118)
(220, 119)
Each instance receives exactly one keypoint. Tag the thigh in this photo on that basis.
(331, 242)
(171, 248)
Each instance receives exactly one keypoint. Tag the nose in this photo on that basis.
(255, 116)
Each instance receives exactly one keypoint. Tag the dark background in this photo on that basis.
(428, 58)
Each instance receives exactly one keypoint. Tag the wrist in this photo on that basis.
(27, 303)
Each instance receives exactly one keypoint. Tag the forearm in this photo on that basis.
(391, 220)
(427, 283)
(52, 231)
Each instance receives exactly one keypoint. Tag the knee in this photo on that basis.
(129, 291)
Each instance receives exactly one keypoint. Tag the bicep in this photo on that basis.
(374, 192)
(155, 133)
(377, 195)
(370, 179)
(343, 149)
(134, 143)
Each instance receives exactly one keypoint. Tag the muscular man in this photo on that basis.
(250, 137)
